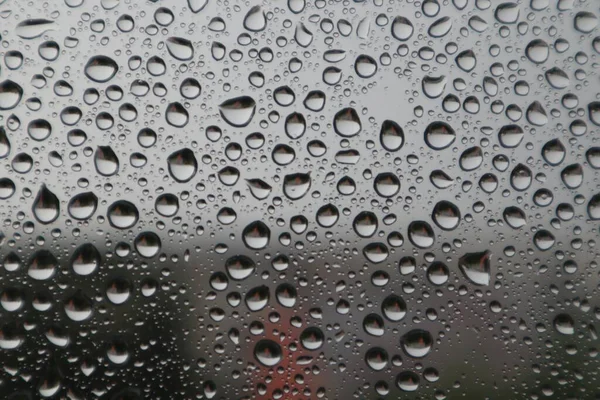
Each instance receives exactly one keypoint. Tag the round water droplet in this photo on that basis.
(122, 214)
(439, 135)
(446, 215)
(238, 111)
(101, 68)
(347, 123)
(182, 165)
(386, 184)
(86, 259)
(239, 267)
(402, 28)
(10, 94)
(393, 308)
(564, 324)
(421, 234)
(365, 66)
(312, 338)
(256, 235)
(82, 206)
(296, 186)
(78, 307)
(268, 352)
(147, 244)
(373, 325)
(417, 343)
(42, 266)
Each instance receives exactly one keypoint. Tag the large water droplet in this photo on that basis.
(256, 19)
(46, 206)
(182, 165)
(83, 205)
(42, 266)
(238, 111)
(421, 234)
(176, 115)
(446, 215)
(439, 135)
(296, 186)
(417, 343)
(268, 352)
(476, 267)
(32, 28)
(101, 68)
(122, 214)
(10, 94)
(256, 235)
(180, 48)
(402, 28)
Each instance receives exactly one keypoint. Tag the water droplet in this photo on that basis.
(402, 28)
(407, 381)
(327, 215)
(312, 338)
(421, 234)
(439, 135)
(416, 343)
(82, 206)
(434, 87)
(85, 260)
(441, 27)
(446, 215)
(256, 235)
(122, 214)
(255, 20)
(176, 115)
(42, 266)
(471, 159)
(268, 353)
(238, 111)
(179, 48)
(106, 161)
(476, 267)
(33, 28)
(296, 186)
(376, 252)
(78, 307)
(240, 267)
(393, 308)
(365, 66)
(147, 244)
(386, 184)
(303, 36)
(197, 5)
(564, 324)
(10, 94)
(101, 68)
(257, 298)
(507, 13)
(46, 206)
(182, 165)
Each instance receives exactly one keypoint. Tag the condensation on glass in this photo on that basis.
(299, 199)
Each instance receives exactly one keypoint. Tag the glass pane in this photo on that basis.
(299, 199)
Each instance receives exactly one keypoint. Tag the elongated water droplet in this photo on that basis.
(46, 206)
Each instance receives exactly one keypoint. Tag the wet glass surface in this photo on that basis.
(299, 199)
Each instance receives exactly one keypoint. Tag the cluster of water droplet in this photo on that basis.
(210, 199)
